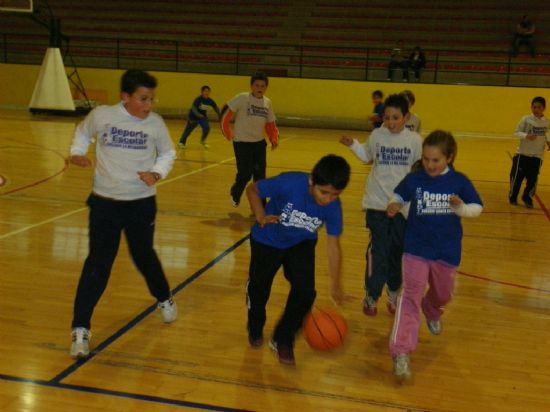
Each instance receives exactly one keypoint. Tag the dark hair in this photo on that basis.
(539, 99)
(132, 79)
(397, 101)
(331, 170)
(205, 87)
(444, 141)
(378, 93)
(407, 94)
(259, 76)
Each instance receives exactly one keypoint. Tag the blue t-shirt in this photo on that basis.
(200, 104)
(300, 216)
(434, 231)
(379, 111)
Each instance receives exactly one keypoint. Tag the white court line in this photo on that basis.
(53, 219)
(161, 183)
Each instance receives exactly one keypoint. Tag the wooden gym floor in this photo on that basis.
(492, 355)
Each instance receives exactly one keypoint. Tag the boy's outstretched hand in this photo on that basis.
(337, 295)
(79, 160)
(267, 219)
(346, 140)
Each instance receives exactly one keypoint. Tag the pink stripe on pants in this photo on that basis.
(417, 273)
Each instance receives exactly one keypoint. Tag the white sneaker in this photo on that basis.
(434, 326)
(401, 368)
(80, 347)
(205, 145)
(181, 146)
(168, 310)
(234, 203)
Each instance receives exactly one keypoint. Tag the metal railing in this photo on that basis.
(284, 60)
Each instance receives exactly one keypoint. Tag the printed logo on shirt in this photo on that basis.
(433, 203)
(127, 139)
(295, 218)
(389, 155)
(259, 111)
(538, 130)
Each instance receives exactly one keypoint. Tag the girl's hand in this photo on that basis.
(346, 140)
(454, 200)
(393, 209)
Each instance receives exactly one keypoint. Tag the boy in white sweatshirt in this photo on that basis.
(133, 152)
(392, 149)
(526, 164)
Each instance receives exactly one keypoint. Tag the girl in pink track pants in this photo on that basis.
(439, 197)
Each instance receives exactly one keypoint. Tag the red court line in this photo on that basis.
(500, 282)
(543, 207)
(65, 166)
(515, 285)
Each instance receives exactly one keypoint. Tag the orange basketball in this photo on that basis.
(324, 329)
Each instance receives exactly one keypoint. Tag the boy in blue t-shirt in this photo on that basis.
(377, 116)
(285, 235)
(198, 117)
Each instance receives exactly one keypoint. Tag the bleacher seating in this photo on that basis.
(350, 38)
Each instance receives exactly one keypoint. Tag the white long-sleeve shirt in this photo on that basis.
(530, 124)
(392, 155)
(125, 145)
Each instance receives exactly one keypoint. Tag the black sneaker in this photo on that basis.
(255, 342)
(234, 203)
(284, 352)
(528, 202)
(513, 202)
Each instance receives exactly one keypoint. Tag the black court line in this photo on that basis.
(126, 395)
(77, 364)
(56, 381)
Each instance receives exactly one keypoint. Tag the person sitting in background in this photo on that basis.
(398, 60)
(417, 61)
(524, 35)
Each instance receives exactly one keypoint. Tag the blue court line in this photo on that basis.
(56, 381)
(126, 395)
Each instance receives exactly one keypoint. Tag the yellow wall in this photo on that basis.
(472, 109)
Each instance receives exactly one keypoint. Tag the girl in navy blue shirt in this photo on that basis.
(439, 197)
